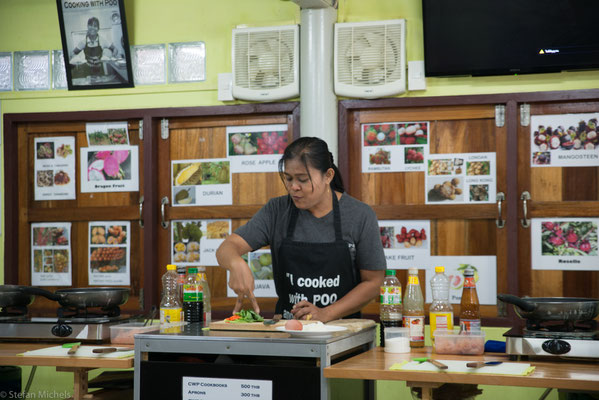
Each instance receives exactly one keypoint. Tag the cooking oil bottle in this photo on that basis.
(440, 311)
(170, 306)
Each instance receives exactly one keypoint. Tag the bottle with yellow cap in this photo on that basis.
(440, 311)
(170, 306)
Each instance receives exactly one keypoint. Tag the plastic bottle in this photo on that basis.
(469, 306)
(413, 309)
(206, 295)
(180, 281)
(440, 311)
(193, 307)
(170, 306)
(390, 309)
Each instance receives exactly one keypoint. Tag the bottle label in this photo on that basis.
(469, 282)
(170, 315)
(192, 293)
(467, 325)
(415, 325)
(413, 280)
(390, 295)
(441, 320)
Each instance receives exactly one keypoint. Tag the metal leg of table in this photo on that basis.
(79, 382)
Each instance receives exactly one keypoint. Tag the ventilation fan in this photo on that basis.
(266, 63)
(370, 58)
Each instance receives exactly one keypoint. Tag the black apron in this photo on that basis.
(320, 273)
(93, 55)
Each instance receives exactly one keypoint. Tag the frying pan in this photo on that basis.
(105, 297)
(11, 296)
(553, 308)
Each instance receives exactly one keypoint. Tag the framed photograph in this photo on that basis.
(95, 44)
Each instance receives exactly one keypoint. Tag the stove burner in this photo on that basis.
(88, 313)
(561, 326)
(12, 312)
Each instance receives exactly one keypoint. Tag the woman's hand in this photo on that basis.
(308, 311)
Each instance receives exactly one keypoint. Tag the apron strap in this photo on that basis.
(336, 219)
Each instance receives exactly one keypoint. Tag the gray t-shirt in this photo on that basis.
(359, 228)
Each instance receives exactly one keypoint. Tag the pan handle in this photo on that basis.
(523, 304)
(39, 292)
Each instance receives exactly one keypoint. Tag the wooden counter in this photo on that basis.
(374, 365)
(78, 365)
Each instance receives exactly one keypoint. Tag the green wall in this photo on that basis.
(33, 25)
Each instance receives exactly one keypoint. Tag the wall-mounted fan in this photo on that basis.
(266, 63)
(370, 58)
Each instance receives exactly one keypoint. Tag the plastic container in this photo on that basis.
(440, 311)
(123, 333)
(454, 342)
(397, 340)
(390, 311)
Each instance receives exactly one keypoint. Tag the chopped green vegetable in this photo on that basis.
(247, 316)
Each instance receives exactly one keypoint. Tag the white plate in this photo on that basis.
(330, 329)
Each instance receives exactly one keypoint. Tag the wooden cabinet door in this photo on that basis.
(458, 229)
(107, 206)
(554, 192)
(204, 137)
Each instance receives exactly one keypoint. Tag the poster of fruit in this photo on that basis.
(51, 254)
(394, 146)
(194, 242)
(260, 263)
(107, 133)
(54, 168)
(467, 178)
(109, 253)
(485, 277)
(205, 182)
(564, 244)
(405, 243)
(109, 169)
(256, 148)
(564, 140)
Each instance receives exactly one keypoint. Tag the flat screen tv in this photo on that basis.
(501, 37)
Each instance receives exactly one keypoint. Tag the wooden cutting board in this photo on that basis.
(353, 325)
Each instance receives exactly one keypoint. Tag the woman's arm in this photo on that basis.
(352, 302)
(241, 280)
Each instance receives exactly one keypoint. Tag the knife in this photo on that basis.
(276, 318)
(479, 364)
(72, 347)
(436, 363)
(101, 350)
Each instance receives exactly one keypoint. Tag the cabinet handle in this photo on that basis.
(500, 222)
(525, 221)
(163, 202)
(141, 211)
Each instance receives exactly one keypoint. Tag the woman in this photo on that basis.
(93, 49)
(327, 254)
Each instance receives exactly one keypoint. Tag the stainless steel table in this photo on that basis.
(276, 357)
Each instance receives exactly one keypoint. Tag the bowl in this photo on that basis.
(454, 342)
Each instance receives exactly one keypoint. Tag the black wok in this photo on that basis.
(553, 308)
(105, 297)
(11, 296)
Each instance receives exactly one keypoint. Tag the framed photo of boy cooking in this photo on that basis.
(95, 44)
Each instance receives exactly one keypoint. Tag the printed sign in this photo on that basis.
(54, 168)
(109, 169)
(406, 243)
(200, 388)
(51, 254)
(260, 263)
(194, 242)
(564, 244)
(485, 276)
(201, 182)
(109, 253)
(467, 178)
(256, 148)
(394, 146)
(564, 140)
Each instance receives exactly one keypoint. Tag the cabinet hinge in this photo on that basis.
(141, 129)
(164, 128)
(499, 115)
(524, 114)
(141, 298)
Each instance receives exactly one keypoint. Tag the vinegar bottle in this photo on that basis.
(170, 306)
(390, 309)
(469, 306)
(413, 309)
(192, 297)
(440, 311)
